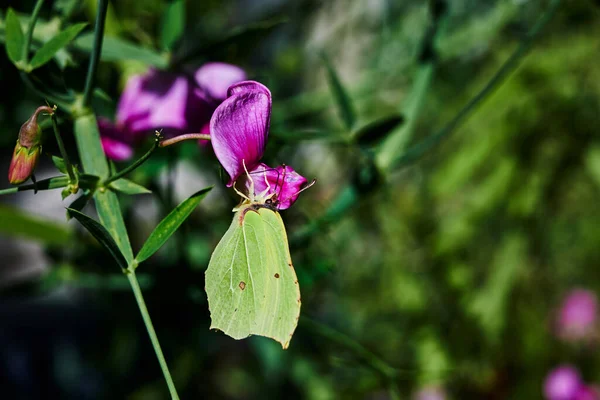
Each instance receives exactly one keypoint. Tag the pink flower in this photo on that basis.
(239, 129)
(430, 393)
(577, 318)
(562, 383)
(165, 100)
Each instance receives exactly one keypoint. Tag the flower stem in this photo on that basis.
(137, 292)
(180, 138)
(32, 21)
(63, 152)
(96, 51)
(133, 166)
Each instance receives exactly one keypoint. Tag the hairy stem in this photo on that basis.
(181, 138)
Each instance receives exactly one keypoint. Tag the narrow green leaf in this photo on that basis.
(373, 132)
(79, 203)
(244, 38)
(128, 187)
(344, 103)
(172, 24)
(14, 38)
(15, 222)
(94, 162)
(52, 46)
(59, 163)
(101, 234)
(169, 225)
(115, 49)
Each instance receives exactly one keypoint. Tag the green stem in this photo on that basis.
(29, 34)
(133, 166)
(46, 184)
(137, 292)
(417, 151)
(96, 51)
(63, 152)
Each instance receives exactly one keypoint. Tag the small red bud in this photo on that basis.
(28, 148)
(23, 163)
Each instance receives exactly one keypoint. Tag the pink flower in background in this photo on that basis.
(430, 393)
(565, 383)
(239, 129)
(164, 100)
(578, 315)
(562, 383)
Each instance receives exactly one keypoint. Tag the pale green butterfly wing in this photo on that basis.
(250, 281)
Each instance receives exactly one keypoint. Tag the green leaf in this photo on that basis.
(15, 222)
(52, 46)
(59, 163)
(14, 38)
(79, 203)
(251, 284)
(375, 131)
(115, 49)
(101, 234)
(169, 225)
(128, 187)
(172, 24)
(344, 103)
(244, 38)
(94, 162)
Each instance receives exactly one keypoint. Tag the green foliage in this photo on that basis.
(344, 103)
(117, 49)
(52, 46)
(128, 187)
(14, 38)
(100, 233)
(167, 227)
(15, 222)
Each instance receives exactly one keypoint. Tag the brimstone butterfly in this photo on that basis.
(251, 284)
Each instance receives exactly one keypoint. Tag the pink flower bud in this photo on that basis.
(28, 148)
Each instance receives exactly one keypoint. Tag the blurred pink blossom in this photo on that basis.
(170, 101)
(430, 393)
(578, 316)
(562, 383)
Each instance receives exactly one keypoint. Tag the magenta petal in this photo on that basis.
(578, 315)
(215, 78)
(116, 150)
(157, 100)
(562, 383)
(282, 184)
(239, 127)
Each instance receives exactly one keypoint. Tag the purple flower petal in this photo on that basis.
(239, 127)
(587, 393)
(282, 184)
(578, 315)
(116, 150)
(215, 78)
(562, 383)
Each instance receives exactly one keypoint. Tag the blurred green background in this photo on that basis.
(443, 272)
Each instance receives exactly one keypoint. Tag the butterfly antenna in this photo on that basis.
(301, 190)
(251, 191)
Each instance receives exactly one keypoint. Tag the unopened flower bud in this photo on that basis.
(28, 148)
